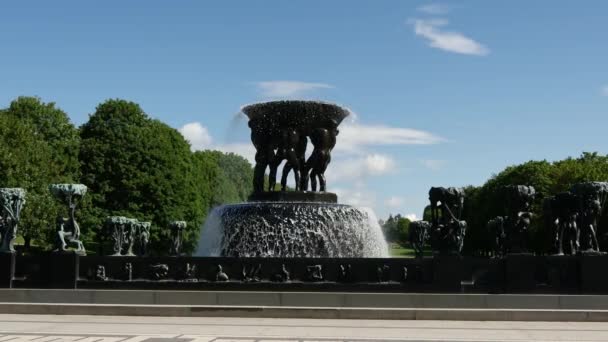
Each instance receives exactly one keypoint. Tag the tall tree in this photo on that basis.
(548, 179)
(54, 127)
(39, 146)
(142, 168)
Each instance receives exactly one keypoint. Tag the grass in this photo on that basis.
(396, 250)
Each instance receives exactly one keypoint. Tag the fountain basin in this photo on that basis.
(296, 113)
(292, 230)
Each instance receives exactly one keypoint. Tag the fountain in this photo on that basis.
(304, 223)
(302, 239)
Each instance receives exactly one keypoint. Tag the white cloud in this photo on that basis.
(412, 217)
(199, 138)
(281, 89)
(358, 196)
(359, 168)
(433, 164)
(604, 90)
(378, 164)
(434, 9)
(245, 150)
(447, 40)
(197, 135)
(353, 137)
(394, 202)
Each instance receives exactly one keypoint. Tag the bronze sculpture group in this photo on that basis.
(446, 231)
(289, 145)
(511, 230)
(12, 201)
(176, 229)
(128, 236)
(68, 230)
(280, 134)
(571, 217)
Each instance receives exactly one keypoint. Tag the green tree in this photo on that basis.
(234, 180)
(486, 202)
(55, 128)
(403, 229)
(206, 173)
(222, 178)
(141, 168)
(39, 147)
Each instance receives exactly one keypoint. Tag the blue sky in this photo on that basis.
(445, 93)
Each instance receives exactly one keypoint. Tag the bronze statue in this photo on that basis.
(565, 206)
(591, 198)
(130, 236)
(68, 231)
(323, 140)
(301, 166)
(288, 142)
(518, 217)
(114, 227)
(448, 231)
(11, 202)
(314, 273)
(446, 203)
(177, 230)
(220, 275)
(142, 238)
(280, 131)
(496, 227)
(282, 275)
(418, 235)
(263, 137)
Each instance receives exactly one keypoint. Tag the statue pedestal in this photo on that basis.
(447, 273)
(7, 269)
(294, 196)
(560, 274)
(483, 275)
(520, 272)
(594, 278)
(64, 268)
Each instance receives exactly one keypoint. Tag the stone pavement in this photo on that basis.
(59, 328)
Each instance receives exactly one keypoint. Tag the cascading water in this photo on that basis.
(305, 223)
(292, 229)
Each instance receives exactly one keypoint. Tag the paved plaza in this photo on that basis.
(51, 328)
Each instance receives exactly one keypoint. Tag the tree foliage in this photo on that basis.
(54, 127)
(38, 146)
(141, 168)
(485, 202)
(223, 177)
(548, 178)
(396, 229)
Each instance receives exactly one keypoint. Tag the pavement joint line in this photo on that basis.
(233, 307)
(251, 311)
(295, 325)
(127, 337)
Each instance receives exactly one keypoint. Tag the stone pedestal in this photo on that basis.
(294, 196)
(520, 273)
(447, 273)
(7, 269)
(64, 268)
(480, 275)
(594, 278)
(560, 274)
